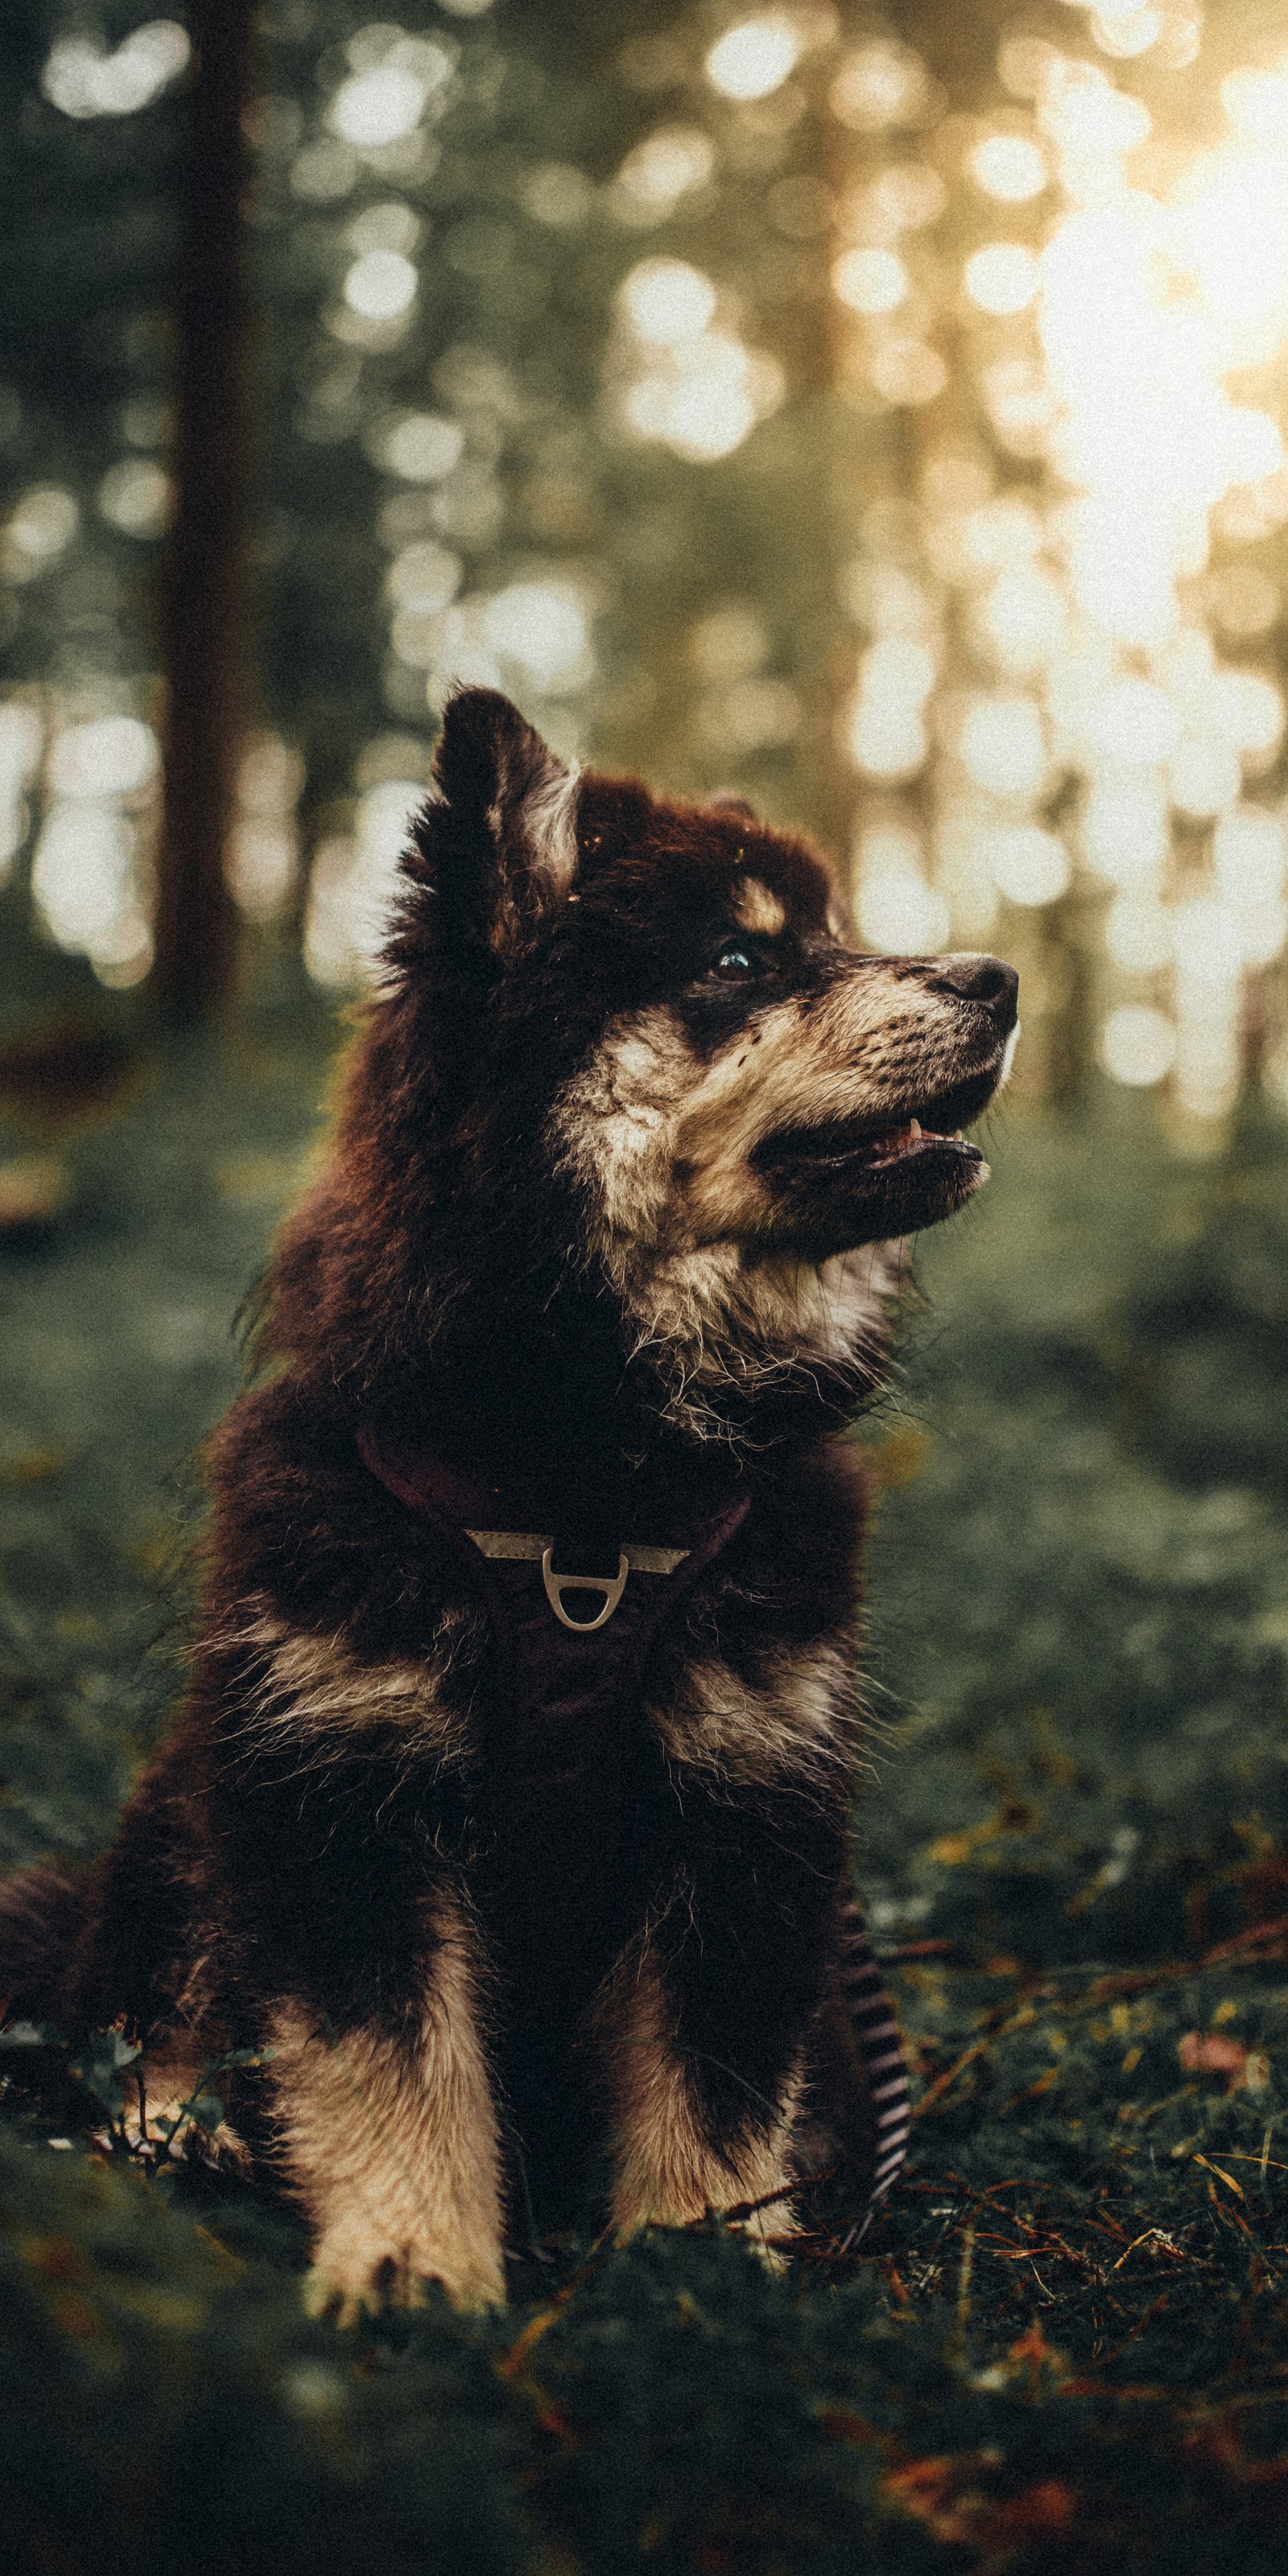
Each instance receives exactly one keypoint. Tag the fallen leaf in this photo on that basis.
(1207, 2052)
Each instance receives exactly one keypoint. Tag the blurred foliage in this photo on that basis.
(893, 431)
(88, 229)
(1064, 2345)
(505, 184)
(1113, 1455)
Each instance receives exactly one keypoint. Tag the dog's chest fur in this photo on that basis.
(366, 1732)
(386, 1663)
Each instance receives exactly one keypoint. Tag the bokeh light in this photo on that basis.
(1030, 866)
(90, 876)
(22, 738)
(881, 84)
(1002, 277)
(84, 79)
(541, 625)
(422, 447)
(754, 58)
(377, 106)
(37, 531)
(1010, 167)
(668, 302)
(664, 168)
(897, 909)
(697, 390)
(1137, 1044)
(870, 281)
(1003, 746)
(136, 496)
(262, 858)
(380, 285)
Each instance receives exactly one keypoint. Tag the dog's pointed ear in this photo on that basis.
(505, 826)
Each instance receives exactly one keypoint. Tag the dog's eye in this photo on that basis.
(739, 959)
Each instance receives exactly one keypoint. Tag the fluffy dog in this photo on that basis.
(506, 1812)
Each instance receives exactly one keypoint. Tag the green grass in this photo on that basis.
(1066, 2344)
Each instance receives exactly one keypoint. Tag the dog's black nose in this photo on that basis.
(987, 980)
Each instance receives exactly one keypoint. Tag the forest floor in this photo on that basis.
(1065, 2344)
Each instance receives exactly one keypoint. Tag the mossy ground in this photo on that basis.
(1066, 2344)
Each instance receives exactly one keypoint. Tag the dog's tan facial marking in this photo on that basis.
(757, 910)
(392, 2145)
(667, 2171)
(313, 1692)
(666, 1137)
(718, 1313)
(615, 1122)
(836, 1055)
(709, 1247)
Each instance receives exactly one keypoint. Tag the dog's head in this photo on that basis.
(740, 1100)
(666, 1071)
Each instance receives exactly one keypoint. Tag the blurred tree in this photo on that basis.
(204, 599)
(89, 205)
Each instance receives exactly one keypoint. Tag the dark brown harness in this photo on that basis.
(571, 1650)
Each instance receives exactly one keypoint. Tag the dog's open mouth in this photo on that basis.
(881, 1141)
(856, 1179)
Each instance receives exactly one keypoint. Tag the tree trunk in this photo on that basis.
(203, 608)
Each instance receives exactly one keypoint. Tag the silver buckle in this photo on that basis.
(557, 1584)
(528, 1546)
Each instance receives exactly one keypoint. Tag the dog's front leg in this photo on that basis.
(682, 2147)
(704, 2024)
(390, 2142)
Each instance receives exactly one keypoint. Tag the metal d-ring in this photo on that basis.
(557, 1584)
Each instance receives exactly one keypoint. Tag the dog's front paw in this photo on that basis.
(760, 2233)
(356, 2273)
(704, 2187)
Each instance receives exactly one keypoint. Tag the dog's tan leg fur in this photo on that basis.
(668, 2171)
(393, 2148)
